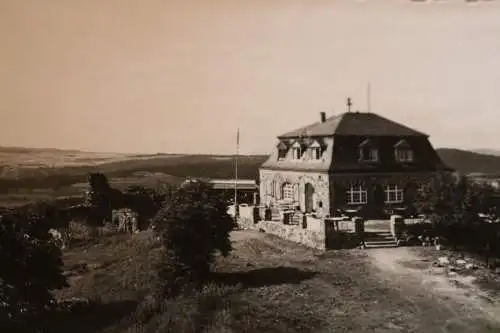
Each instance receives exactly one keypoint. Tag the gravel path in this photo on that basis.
(461, 303)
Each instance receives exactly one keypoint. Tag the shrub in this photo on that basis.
(453, 206)
(31, 268)
(193, 226)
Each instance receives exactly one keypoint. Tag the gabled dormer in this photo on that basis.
(316, 150)
(298, 149)
(403, 152)
(368, 151)
(283, 148)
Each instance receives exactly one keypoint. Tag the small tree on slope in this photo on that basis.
(193, 225)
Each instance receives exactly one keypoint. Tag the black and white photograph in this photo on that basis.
(249, 166)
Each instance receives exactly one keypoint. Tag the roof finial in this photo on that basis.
(349, 104)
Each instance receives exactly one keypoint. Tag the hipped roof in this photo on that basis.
(354, 124)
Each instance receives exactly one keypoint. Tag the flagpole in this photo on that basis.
(236, 207)
(368, 97)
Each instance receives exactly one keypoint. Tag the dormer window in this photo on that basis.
(296, 151)
(403, 152)
(282, 150)
(316, 150)
(368, 151)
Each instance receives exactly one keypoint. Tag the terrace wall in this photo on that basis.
(314, 235)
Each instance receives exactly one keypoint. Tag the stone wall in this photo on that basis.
(318, 234)
(271, 181)
(293, 233)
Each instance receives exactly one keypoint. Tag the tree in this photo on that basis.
(99, 199)
(31, 267)
(453, 206)
(193, 226)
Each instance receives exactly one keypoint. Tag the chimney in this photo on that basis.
(323, 116)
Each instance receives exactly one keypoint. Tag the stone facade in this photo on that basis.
(311, 190)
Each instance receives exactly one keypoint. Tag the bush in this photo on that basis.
(31, 268)
(454, 206)
(193, 226)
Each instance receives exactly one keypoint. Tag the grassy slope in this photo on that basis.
(265, 285)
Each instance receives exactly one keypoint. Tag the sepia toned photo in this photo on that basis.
(237, 166)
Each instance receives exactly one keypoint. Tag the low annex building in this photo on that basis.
(356, 161)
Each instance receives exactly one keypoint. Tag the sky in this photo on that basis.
(181, 76)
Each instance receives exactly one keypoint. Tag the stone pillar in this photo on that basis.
(359, 227)
(397, 225)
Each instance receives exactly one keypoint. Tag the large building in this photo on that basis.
(356, 162)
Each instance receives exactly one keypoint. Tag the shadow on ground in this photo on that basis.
(92, 317)
(264, 277)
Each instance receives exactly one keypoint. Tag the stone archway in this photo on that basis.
(309, 197)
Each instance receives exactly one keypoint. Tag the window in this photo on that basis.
(315, 153)
(404, 155)
(281, 154)
(357, 195)
(422, 191)
(287, 192)
(403, 151)
(282, 150)
(297, 150)
(315, 150)
(393, 194)
(368, 151)
(369, 154)
(296, 153)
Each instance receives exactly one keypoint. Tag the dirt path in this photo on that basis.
(464, 303)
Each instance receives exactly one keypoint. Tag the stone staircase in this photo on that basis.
(379, 239)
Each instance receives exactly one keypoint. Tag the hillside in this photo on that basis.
(470, 162)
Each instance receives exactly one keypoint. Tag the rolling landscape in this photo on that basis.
(31, 174)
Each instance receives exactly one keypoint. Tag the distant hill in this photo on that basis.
(467, 162)
(27, 150)
(31, 164)
(487, 151)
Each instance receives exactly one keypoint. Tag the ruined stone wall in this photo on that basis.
(126, 220)
(276, 179)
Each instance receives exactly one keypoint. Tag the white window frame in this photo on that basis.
(373, 155)
(287, 192)
(357, 195)
(316, 153)
(296, 153)
(404, 155)
(393, 190)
